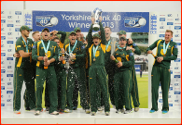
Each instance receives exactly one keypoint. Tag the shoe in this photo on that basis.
(27, 108)
(74, 108)
(136, 109)
(127, 111)
(55, 113)
(87, 111)
(47, 108)
(152, 111)
(122, 110)
(93, 113)
(67, 111)
(17, 112)
(107, 113)
(37, 113)
(164, 112)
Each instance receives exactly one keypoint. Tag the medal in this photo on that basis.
(94, 51)
(94, 59)
(165, 48)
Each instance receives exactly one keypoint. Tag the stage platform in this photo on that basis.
(79, 117)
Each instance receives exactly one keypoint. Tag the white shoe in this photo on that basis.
(37, 113)
(17, 112)
(55, 113)
(87, 111)
(127, 111)
(136, 109)
(122, 110)
(67, 111)
(93, 113)
(107, 113)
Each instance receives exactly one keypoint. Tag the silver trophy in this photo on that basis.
(96, 13)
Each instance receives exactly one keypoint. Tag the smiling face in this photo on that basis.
(168, 36)
(107, 32)
(78, 34)
(57, 41)
(45, 35)
(122, 43)
(25, 33)
(96, 41)
(36, 37)
(72, 38)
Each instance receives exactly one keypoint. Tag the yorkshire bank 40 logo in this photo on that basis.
(134, 22)
(46, 21)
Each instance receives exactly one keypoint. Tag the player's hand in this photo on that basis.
(47, 63)
(62, 50)
(149, 52)
(70, 62)
(93, 20)
(73, 57)
(119, 64)
(159, 59)
(130, 41)
(128, 48)
(45, 58)
(54, 32)
(30, 53)
(17, 55)
(112, 57)
(100, 19)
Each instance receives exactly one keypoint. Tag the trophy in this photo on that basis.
(96, 13)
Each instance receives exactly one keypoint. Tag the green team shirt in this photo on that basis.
(23, 62)
(133, 45)
(38, 50)
(58, 64)
(100, 53)
(78, 51)
(171, 54)
(126, 57)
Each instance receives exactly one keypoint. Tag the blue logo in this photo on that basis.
(10, 25)
(3, 54)
(3, 70)
(179, 44)
(17, 37)
(9, 67)
(9, 58)
(46, 21)
(176, 84)
(177, 92)
(169, 15)
(176, 76)
(169, 96)
(17, 21)
(176, 100)
(9, 83)
(9, 75)
(161, 35)
(171, 105)
(2, 12)
(2, 104)
(9, 92)
(3, 37)
(176, 19)
(161, 27)
(177, 35)
(8, 100)
(3, 21)
(137, 68)
(2, 62)
(169, 23)
(2, 87)
(9, 33)
(134, 22)
(17, 29)
(9, 50)
(177, 27)
(176, 68)
(171, 72)
(9, 42)
(177, 60)
(2, 29)
(9, 17)
(162, 19)
(160, 100)
(18, 13)
(2, 79)
(171, 88)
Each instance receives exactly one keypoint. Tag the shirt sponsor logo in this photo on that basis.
(10, 25)
(169, 23)
(162, 19)
(18, 13)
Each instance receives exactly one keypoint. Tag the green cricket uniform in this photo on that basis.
(46, 74)
(23, 72)
(74, 74)
(108, 65)
(97, 72)
(134, 91)
(123, 78)
(161, 72)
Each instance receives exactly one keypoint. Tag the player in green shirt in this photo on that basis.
(166, 51)
(23, 70)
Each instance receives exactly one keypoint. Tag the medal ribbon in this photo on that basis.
(71, 51)
(94, 50)
(46, 49)
(26, 44)
(165, 47)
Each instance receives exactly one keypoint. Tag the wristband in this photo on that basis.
(42, 58)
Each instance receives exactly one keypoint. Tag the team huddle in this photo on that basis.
(99, 67)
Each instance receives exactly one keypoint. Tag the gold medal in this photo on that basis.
(94, 59)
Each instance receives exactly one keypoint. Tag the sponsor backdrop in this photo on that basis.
(159, 22)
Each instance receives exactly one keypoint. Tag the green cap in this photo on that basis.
(77, 28)
(45, 29)
(25, 28)
(122, 38)
(72, 32)
(96, 35)
(121, 32)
